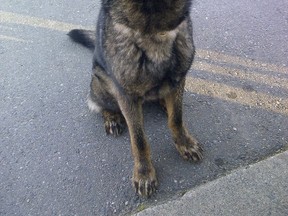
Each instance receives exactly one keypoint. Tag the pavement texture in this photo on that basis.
(258, 189)
(55, 158)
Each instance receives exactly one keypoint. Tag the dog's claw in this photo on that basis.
(113, 128)
(145, 185)
(114, 123)
(145, 188)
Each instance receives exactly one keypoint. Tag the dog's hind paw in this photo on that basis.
(114, 123)
(113, 128)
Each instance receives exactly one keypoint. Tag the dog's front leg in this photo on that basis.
(185, 143)
(144, 175)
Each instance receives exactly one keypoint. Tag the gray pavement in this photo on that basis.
(258, 189)
(55, 158)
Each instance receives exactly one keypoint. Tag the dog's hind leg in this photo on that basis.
(101, 100)
(186, 144)
(114, 122)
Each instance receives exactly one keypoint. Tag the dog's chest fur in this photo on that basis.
(155, 48)
(143, 62)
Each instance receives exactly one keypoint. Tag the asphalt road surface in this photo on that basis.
(55, 158)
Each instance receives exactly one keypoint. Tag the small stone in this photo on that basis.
(231, 95)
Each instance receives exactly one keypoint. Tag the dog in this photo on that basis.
(143, 50)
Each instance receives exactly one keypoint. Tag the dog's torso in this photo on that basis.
(144, 63)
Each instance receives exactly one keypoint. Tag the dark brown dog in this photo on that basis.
(142, 51)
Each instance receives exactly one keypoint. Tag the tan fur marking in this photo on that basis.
(122, 28)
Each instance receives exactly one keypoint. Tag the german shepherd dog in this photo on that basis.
(143, 50)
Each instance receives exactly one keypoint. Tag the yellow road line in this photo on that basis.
(241, 74)
(4, 37)
(237, 95)
(220, 57)
(8, 17)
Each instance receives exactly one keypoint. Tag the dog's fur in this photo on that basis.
(142, 51)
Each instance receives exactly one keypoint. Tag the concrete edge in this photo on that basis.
(257, 189)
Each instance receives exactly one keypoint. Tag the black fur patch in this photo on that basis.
(80, 36)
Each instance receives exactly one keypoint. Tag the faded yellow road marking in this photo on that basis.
(220, 57)
(241, 74)
(4, 37)
(237, 95)
(8, 17)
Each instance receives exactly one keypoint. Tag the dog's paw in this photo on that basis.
(114, 123)
(189, 149)
(145, 181)
(113, 127)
